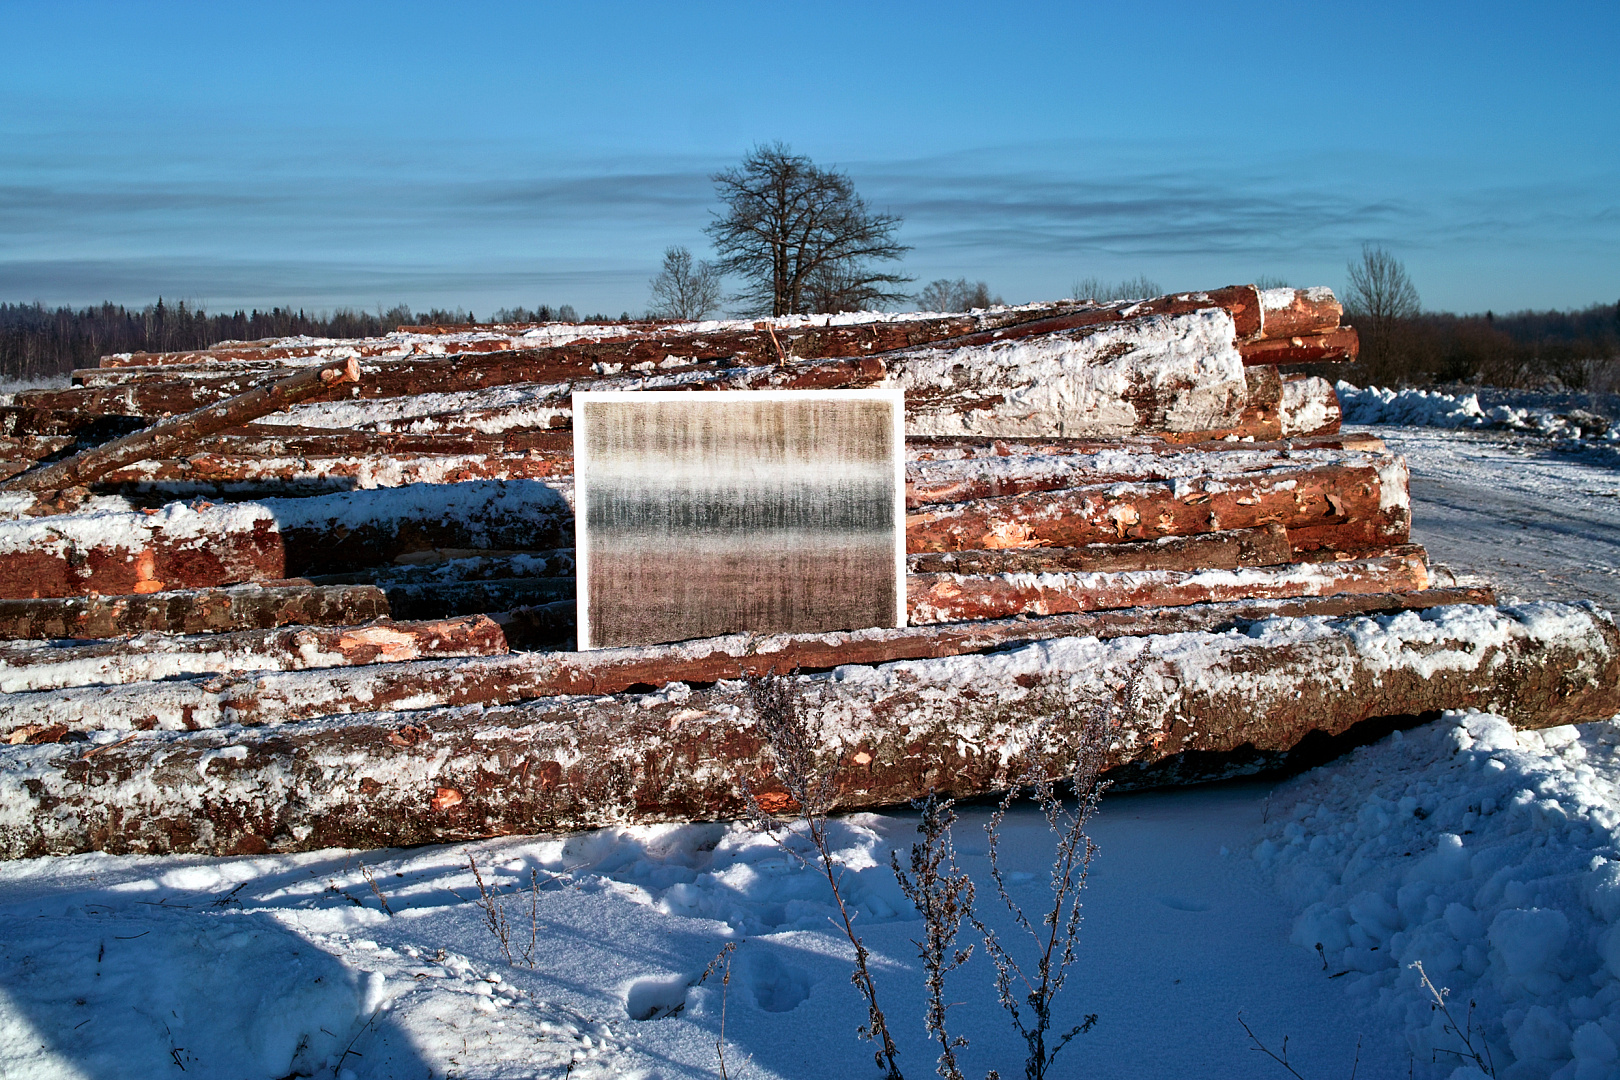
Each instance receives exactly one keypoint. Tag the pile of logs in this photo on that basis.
(299, 593)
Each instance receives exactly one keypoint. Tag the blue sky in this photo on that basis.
(488, 155)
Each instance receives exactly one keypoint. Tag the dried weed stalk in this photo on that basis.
(942, 893)
(812, 786)
(1028, 995)
(723, 956)
(492, 905)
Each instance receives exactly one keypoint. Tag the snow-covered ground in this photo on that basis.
(1491, 856)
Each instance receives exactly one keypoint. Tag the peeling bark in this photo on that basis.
(152, 656)
(199, 611)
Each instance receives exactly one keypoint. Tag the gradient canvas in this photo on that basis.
(704, 513)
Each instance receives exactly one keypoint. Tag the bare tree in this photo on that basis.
(801, 237)
(944, 294)
(683, 289)
(1382, 302)
(1379, 288)
(1139, 287)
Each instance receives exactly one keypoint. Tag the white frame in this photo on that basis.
(895, 398)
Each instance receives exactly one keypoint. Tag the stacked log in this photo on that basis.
(307, 608)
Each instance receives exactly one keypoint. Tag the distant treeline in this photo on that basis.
(37, 342)
(1579, 350)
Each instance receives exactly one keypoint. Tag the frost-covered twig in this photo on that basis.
(725, 984)
(1281, 1059)
(812, 786)
(943, 896)
(365, 871)
(1060, 925)
(1464, 1033)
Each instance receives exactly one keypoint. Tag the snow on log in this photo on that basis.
(1304, 498)
(123, 551)
(288, 697)
(1157, 373)
(959, 726)
(1287, 313)
(152, 656)
(1310, 406)
(942, 598)
(945, 479)
(194, 611)
(181, 431)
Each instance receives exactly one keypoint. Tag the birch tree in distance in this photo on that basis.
(684, 289)
(801, 237)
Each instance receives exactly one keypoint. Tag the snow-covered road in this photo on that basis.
(1535, 522)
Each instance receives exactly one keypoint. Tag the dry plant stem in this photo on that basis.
(365, 872)
(1464, 1033)
(793, 750)
(1282, 1059)
(943, 895)
(493, 910)
(725, 985)
(1060, 926)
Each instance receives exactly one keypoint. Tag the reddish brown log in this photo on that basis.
(1287, 313)
(178, 548)
(199, 611)
(1294, 498)
(165, 437)
(1266, 546)
(277, 698)
(943, 598)
(1332, 346)
(153, 656)
(954, 727)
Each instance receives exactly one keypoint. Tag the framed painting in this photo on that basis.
(700, 513)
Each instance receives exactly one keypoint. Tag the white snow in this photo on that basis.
(1491, 857)
(265, 966)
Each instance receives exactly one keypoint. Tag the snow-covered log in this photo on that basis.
(941, 598)
(1225, 550)
(286, 697)
(1312, 500)
(1309, 406)
(123, 551)
(193, 611)
(153, 656)
(959, 726)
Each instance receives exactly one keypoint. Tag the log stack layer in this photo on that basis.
(286, 594)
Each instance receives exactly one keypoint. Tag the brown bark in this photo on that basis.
(137, 558)
(168, 435)
(1332, 346)
(151, 656)
(1304, 311)
(280, 698)
(199, 611)
(944, 598)
(957, 728)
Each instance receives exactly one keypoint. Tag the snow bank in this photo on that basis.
(1431, 408)
(1491, 856)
